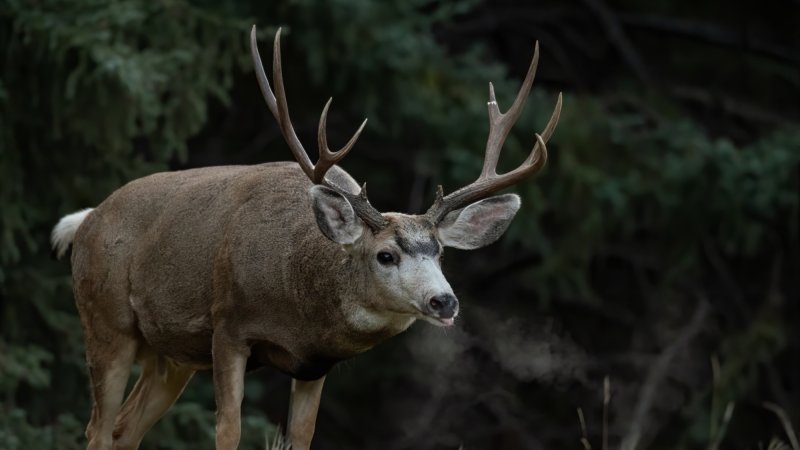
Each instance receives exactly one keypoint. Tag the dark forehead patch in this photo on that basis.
(417, 239)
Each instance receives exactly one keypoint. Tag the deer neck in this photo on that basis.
(345, 308)
(367, 322)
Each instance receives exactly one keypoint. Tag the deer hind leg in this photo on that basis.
(303, 407)
(109, 363)
(160, 384)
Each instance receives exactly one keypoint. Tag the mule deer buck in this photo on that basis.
(282, 264)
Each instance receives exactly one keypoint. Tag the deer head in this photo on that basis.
(402, 252)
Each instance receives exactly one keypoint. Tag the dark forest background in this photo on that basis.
(645, 296)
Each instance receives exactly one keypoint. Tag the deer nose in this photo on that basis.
(446, 305)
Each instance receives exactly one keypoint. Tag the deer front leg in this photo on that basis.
(303, 408)
(229, 359)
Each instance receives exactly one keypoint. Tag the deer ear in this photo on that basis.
(335, 216)
(478, 224)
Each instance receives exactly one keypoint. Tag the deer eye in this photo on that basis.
(385, 258)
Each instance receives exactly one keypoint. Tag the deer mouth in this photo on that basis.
(444, 322)
(447, 322)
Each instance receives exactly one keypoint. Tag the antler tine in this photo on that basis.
(261, 75)
(276, 101)
(546, 134)
(327, 158)
(499, 126)
(284, 120)
(553, 122)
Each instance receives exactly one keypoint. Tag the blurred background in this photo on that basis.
(646, 295)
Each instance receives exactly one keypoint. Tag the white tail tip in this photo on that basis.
(64, 231)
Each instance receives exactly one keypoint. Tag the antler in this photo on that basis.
(499, 126)
(327, 158)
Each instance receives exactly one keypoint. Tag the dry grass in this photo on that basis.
(278, 441)
(786, 423)
(718, 430)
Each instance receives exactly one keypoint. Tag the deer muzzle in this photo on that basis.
(444, 308)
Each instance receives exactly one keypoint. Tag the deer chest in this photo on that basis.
(304, 367)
